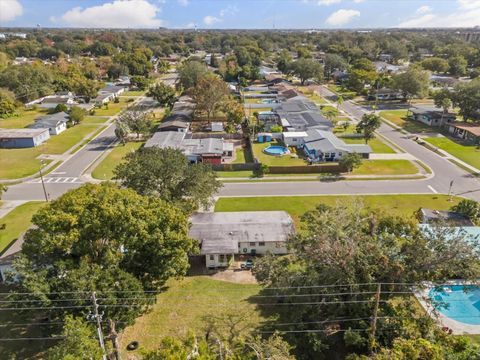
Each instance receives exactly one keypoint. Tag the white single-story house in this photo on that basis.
(108, 93)
(217, 126)
(469, 132)
(432, 116)
(223, 234)
(55, 123)
(294, 138)
(323, 145)
(22, 138)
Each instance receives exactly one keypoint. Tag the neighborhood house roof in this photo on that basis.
(469, 233)
(173, 123)
(221, 233)
(20, 133)
(111, 89)
(472, 129)
(432, 111)
(202, 146)
(50, 120)
(295, 134)
(165, 139)
(435, 216)
(326, 142)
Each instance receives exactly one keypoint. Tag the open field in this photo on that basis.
(18, 163)
(468, 153)
(24, 118)
(385, 167)
(104, 170)
(296, 206)
(398, 117)
(188, 304)
(17, 222)
(134, 93)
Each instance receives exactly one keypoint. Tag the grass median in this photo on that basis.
(104, 170)
(467, 153)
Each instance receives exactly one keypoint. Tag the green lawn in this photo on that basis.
(240, 156)
(468, 153)
(18, 163)
(270, 160)
(377, 145)
(134, 93)
(24, 118)
(234, 174)
(404, 205)
(187, 305)
(113, 108)
(95, 119)
(104, 170)
(17, 222)
(398, 117)
(385, 167)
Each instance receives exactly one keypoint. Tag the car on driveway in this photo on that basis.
(247, 265)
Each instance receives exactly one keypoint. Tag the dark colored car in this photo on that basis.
(247, 265)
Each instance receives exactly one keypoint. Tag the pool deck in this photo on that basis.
(458, 328)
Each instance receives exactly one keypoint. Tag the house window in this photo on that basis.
(252, 244)
(221, 258)
(339, 154)
(261, 243)
(294, 140)
(212, 257)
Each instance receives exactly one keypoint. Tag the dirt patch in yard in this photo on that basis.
(235, 276)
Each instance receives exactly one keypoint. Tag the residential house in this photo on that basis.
(468, 132)
(432, 116)
(209, 150)
(174, 125)
(51, 101)
(294, 138)
(322, 145)
(222, 235)
(55, 123)
(22, 138)
(385, 94)
(109, 93)
(299, 114)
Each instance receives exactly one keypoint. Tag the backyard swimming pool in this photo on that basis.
(275, 150)
(458, 302)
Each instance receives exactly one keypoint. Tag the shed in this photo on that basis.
(217, 126)
(264, 137)
(22, 138)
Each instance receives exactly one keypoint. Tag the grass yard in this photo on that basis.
(113, 108)
(95, 119)
(296, 206)
(134, 93)
(385, 167)
(24, 118)
(239, 156)
(270, 160)
(377, 145)
(398, 117)
(470, 154)
(235, 174)
(17, 222)
(104, 170)
(188, 304)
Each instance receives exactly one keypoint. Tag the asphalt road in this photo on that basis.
(464, 184)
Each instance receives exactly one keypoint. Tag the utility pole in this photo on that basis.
(373, 327)
(98, 319)
(450, 191)
(43, 183)
(114, 338)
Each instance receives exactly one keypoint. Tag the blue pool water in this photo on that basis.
(458, 302)
(275, 150)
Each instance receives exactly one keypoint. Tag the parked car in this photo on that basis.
(247, 265)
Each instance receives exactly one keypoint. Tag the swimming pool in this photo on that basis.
(456, 303)
(275, 150)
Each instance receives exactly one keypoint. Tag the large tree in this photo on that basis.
(106, 239)
(139, 122)
(8, 104)
(164, 94)
(368, 125)
(307, 69)
(412, 83)
(209, 94)
(466, 96)
(190, 72)
(339, 252)
(167, 174)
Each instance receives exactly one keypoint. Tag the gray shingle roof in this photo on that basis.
(220, 233)
(164, 139)
(326, 141)
(50, 120)
(20, 133)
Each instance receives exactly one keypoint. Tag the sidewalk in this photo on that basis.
(9, 205)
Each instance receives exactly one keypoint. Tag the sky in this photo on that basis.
(240, 14)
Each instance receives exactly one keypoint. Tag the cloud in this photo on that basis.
(467, 14)
(210, 20)
(190, 25)
(424, 9)
(342, 17)
(183, 2)
(328, 2)
(10, 9)
(358, 1)
(115, 14)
